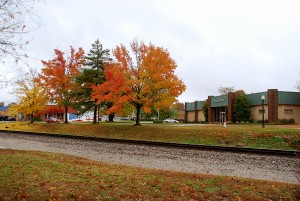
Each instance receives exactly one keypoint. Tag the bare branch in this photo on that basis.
(15, 16)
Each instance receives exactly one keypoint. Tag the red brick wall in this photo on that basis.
(185, 113)
(272, 105)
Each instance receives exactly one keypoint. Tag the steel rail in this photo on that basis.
(291, 153)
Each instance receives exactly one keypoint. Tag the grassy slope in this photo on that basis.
(271, 137)
(45, 176)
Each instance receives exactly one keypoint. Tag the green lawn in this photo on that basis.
(246, 135)
(44, 176)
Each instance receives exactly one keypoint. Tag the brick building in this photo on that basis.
(277, 105)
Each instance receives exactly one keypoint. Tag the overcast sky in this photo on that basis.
(252, 45)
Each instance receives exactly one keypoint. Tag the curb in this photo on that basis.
(165, 144)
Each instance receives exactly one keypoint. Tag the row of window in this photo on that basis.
(286, 111)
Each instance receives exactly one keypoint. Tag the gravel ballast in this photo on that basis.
(256, 166)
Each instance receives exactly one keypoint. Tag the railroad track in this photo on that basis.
(290, 153)
(247, 163)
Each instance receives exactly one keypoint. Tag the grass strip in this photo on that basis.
(250, 136)
(27, 175)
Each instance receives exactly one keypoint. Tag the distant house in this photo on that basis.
(57, 112)
(50, 111)
(3, 110)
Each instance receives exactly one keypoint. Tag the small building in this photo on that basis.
(277, 105)
(3, 110)
(194, 112)
(58, 112)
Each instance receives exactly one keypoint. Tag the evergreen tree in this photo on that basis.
(241, 108)
(93, 73)
(205, 110)
(82, 95)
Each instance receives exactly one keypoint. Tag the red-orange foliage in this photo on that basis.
(144, 80)
(55, 110)
(58, 75)
(179, 106)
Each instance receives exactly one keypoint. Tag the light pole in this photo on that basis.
(263, 110)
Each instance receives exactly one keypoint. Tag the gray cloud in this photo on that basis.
(252, 45)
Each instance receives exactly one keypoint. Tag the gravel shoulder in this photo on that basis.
(264, 167)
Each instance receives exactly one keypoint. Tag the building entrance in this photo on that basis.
(220, 114)
(222, 117)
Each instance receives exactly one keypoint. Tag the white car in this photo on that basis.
(52, 120)
(171, 121)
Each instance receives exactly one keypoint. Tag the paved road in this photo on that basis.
(275, 168)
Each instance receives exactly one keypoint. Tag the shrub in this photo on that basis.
(286, 121)
(157, 121)
(241, 107)
(260, 121)
(37, 119)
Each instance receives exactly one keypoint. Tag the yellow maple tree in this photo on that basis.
(31, 97)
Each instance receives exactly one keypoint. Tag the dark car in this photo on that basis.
(10, 119)
(7, 118)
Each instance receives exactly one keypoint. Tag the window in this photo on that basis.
(261, 111)
(288, 111)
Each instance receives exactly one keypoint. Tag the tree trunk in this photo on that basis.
(111, 117)
(66, 115)
(98, 108)
(31, 118)
(138, 113)
(95, 114)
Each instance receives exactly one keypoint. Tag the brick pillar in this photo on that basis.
(196, 112)
(185, 113)
(211, 114)
(272, 105)
(230, 116)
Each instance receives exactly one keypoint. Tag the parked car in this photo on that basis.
(10, 119)
(52, 120)
(7, 118)
(171, 121)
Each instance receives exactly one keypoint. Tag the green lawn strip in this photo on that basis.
(253, 136)
(45, 176)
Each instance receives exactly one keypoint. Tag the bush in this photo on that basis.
(37, 119)
(260, 121)
(286, 121)
(241, 107)
(158, 122)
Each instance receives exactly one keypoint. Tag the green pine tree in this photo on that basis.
(205, 110)
(93, 73)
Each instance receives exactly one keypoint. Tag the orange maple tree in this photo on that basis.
(143, 78)
(58, 77)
